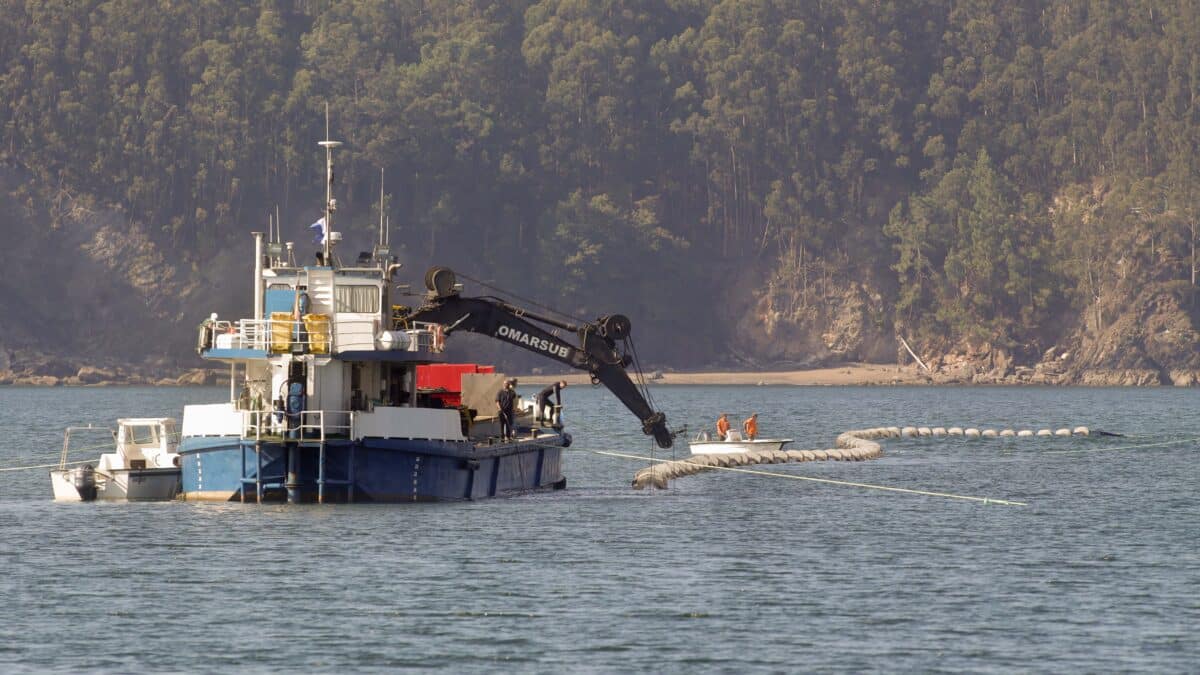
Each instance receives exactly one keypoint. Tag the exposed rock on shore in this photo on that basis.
(199, 377)
(1152, 342)
(29, 368)
(797, 322)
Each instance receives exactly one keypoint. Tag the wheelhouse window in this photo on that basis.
(142, 434)
(356, 299)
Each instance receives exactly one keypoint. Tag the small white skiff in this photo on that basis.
(144, 467)
(704, 444)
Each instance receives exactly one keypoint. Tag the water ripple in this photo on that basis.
(721, 573)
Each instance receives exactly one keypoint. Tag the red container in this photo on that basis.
(443, 381)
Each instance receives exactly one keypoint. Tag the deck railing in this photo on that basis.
(308, 425)
(311, 426)
(315, 334)
(92, 429)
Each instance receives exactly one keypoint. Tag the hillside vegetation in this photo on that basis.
(1011, 186)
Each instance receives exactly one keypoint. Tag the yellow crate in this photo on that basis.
(317, 326)
(281, 332)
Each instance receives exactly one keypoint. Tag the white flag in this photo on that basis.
(319, 228)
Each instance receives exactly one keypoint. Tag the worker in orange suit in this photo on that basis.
(723, 427)
(750, 426)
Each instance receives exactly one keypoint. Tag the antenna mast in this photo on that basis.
(330, 203)
(381, 253)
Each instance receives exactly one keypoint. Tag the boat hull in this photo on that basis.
(733, 447)
(367, 470)
(134, 485)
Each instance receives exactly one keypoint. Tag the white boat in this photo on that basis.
(704, 444)
(143, 467)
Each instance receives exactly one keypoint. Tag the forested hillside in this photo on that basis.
(1011, 186)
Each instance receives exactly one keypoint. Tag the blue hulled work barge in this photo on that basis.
(325, 403)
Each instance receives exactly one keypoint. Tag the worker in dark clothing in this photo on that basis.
(506, 400)
(295, 401)
(543, 399)
(302, 306)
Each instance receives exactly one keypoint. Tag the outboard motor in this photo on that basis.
(85, 482)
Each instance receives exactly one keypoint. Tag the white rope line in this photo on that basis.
(44, 466)
(104, 446)
(1180, 441)
(985, 500)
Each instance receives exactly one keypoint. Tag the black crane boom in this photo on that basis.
(596, 353)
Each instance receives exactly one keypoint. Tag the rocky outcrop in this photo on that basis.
(1153, 342)
(94, 375)
(814, 315)
(1102, 377)
(129, 255)
(90, 297)
(200, 377)
(30, 367)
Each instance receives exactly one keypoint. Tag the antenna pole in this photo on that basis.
(330, 204)
(328, 189)
(381, 242)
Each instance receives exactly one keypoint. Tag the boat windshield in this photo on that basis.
(142, 434)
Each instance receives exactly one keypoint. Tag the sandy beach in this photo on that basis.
(847, 374)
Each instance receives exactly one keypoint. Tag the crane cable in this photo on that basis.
(522, 299)
(643, 387)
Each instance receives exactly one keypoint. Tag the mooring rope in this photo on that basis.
(105, 446)
(45, 466)
(756, 472)
(1163, 444)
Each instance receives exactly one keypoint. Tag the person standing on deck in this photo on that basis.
(300, 308)
(723, 427)
(543, 398)
(750, 426)
(506, 400)
(295, 401)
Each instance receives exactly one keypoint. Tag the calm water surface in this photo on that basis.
(723, 572)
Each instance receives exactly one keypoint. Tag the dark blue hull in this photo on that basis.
(368, 470)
